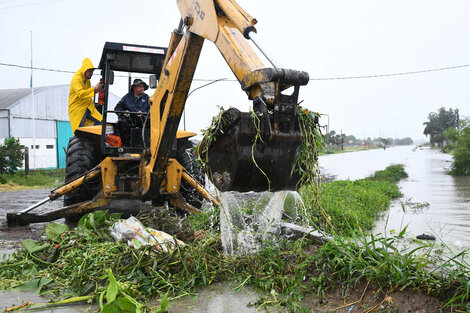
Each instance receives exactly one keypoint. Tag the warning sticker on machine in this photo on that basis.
(143, 50)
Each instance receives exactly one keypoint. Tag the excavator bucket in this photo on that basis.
(248, 155)
(258, 151)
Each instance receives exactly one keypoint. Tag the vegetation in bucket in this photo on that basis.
(209, 135)
(305, 165)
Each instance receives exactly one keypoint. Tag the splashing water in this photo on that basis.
(249, 220)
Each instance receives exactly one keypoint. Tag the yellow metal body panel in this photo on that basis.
(108, 175)
(226, 24)
(238, 53)
(202, 17)
(178, 201)
(200, 189)
(74, 184)
(172, 183)
(91, 205)
(184, 134)
(239, 17)
(95, 130)
(169, 98)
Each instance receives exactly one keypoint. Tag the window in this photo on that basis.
(49, 146)
(37, 147)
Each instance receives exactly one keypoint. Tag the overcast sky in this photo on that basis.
(328, 39)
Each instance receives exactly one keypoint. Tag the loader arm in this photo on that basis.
(229, 27)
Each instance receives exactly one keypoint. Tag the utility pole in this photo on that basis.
(32, 102)
(341, 138)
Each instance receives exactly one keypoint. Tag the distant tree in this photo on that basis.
(385, 141)
(404, 141)
(328, 137)
(438, 122)
(350, 139)
(11, 156)
(461, 164)
(451, 136)
(339, 140)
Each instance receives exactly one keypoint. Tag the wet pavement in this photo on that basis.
(15, 201)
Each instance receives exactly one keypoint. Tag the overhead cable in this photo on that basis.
(318, 78)
(393, 74)
(29, 4)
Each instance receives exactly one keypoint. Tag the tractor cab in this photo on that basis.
(138, 61)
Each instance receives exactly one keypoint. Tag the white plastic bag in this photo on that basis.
(137, 235)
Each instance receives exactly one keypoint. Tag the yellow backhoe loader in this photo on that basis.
(159, 165)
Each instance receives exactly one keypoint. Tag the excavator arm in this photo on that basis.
(234, 161)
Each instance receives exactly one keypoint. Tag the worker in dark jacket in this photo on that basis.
(134, 101)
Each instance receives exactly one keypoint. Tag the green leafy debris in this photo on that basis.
(89, 265)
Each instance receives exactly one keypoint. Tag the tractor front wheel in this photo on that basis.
(81, 157)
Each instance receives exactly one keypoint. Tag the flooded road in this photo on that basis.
(448, 215)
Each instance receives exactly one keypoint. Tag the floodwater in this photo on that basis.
(448, 215)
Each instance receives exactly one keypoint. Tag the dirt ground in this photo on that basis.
(364, 298)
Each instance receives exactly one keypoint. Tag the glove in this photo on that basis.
(98, 87)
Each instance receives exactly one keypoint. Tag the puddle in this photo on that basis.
(217, 298)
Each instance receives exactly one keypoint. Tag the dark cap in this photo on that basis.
(139, 81)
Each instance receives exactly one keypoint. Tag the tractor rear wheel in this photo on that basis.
(81, 157)
(186, 156)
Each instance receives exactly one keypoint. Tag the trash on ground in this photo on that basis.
(137, 235)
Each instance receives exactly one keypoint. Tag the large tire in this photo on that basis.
(81, 157)
(186, 156)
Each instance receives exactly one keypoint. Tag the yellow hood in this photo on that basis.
(86, 65)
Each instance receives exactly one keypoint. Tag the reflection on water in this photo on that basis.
(448, 214)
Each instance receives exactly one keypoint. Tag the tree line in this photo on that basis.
(450, 132)
(334, 139)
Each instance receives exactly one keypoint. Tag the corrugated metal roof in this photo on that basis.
(8, 97)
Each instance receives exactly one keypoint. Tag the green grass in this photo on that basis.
(353, 206)
(336, 150)
(90, 263)
(393, 174)
(284, 274)
(36, 178)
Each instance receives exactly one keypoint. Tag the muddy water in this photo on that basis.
(448, 215)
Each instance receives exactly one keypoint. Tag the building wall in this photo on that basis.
(50, 112)
(50, 103)
(23, 128)
(4, 123)
(64, 132)
(44, 155)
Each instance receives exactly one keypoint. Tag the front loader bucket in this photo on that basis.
(248, 155)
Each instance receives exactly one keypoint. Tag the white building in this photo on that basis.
(49, 130)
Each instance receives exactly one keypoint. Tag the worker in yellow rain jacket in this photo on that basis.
(82, 111)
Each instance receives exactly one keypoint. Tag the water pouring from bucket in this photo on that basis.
(249, 221)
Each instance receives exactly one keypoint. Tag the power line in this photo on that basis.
(28, 4)
(36, 68)
(320, 78)
(72, 72)
(393, 74)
